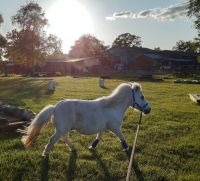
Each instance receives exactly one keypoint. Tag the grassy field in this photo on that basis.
(168, 144)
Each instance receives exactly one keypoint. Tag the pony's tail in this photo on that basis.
(32, 131)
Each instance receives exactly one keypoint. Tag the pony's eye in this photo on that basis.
(142, 97)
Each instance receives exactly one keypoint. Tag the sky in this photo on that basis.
(159, 23)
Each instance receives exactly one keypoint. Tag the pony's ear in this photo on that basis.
(131, 84)
(137, 88)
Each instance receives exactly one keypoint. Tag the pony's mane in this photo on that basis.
(136, 85)
(120, 89)
(119, 94)
(123, 86)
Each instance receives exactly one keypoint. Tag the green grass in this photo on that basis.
(168, 145)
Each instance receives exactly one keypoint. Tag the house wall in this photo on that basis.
(54, 67)
(84, 66)
(143, 64)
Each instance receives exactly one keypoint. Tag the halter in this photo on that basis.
(135, 103)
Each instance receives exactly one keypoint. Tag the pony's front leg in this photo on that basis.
(69, 142)
(52, 141)
(120, 135)
(96, 141)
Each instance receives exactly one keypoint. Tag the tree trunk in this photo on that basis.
(5, 70)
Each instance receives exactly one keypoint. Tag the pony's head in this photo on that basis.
(138, 100)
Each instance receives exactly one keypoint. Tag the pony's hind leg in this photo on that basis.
(52, 141)
(68, 141)
(96, 141)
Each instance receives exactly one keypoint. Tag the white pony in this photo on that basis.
(88, 116)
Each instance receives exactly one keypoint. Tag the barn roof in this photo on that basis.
(166, 55)
(81, 59)
(166, 58)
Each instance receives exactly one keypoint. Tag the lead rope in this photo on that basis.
(133, 149)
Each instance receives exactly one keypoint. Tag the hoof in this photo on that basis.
(91, 147)
(126, 149)
(45, 155)
(73, 149)
(94, 144)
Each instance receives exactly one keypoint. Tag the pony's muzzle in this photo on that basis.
(147, 111)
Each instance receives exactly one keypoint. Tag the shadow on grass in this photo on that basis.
(19, 175)
(9, 135)
(71, 166)
(135, 167)
(103, 87)
(101, 164)
(16, 90)
(70, 170)
(44, 168)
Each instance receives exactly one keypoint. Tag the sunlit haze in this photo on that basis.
(69, 20)
(158, 23)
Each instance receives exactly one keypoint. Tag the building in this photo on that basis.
(139, 60)
(70, 67)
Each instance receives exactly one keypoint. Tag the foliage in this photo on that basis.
(168, 146)
(187, 46)
(3, 43)
(57, 56)
(87, 46)
(30, 17)
(193, 7)
(1, 19)
(198, 59)
(157, 48)
(24, 46)
(127, 40)
(53, 45)
(29, 44)
(3, 40)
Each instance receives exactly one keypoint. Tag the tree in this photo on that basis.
(25, 44)
(186, 46)
(3, 43)
(30, 17)
(157, 48)
(53, 45)
(127, 40)
(1, 19)
(29, 44)
(193, 7)
(87, 46)
(2, 38)
(24, 47)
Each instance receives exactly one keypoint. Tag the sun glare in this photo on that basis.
(69, 20)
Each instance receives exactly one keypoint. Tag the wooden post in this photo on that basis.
(133, 150)
(52, 85)
(101, 83)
